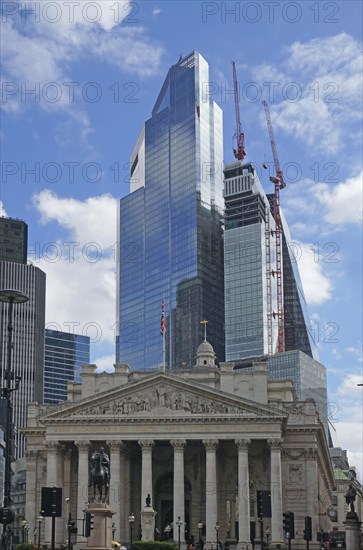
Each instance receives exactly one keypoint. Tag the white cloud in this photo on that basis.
(39, 52)
(316, 284)
(3, 213)
(81, 269)
(349, 385)
(105, 363)
(325, 113)
(156, 11)
(343, 202)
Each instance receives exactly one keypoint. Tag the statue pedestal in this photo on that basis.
(148, 523)
(352, 531)
(101, 534)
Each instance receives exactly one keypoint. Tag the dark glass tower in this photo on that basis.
(65, 353)
(13, 240)
(170, 228)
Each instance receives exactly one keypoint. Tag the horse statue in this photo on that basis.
(100, 474)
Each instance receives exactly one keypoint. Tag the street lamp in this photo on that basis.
(25, 527)
(10, 297)
(179, 524)
(217, 531)
(267, 533)
(131, 523)
(200, 527)
(39, 520)
(167, 531)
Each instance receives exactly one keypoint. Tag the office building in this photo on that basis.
(247, 218)
(13, 240)
(249, 235)
(170, 227)
(65, 353)
(28, 340)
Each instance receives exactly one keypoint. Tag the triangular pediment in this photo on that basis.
(161, 395)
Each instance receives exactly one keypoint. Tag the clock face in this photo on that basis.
(332, 513)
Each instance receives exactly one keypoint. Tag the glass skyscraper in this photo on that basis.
(248, 221)
(170, 227)
(247, 217)
(65, 353)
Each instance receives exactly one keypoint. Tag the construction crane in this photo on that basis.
(238, 152)
(278, 181)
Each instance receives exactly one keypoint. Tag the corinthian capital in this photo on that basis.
(146, 444)
(83, 446)
(275, 444)
(242, 444)
(115, 446)
(52, 447)
(178, 444)
(210, 444)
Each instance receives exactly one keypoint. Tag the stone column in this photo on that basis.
(146, 470)
(82, 482)
(67, 469)
(243, 494)
(127, 503)
(211, 491)
(276, 492)
(115, 483)
(53, 449)
(312, 487)
(32, 507)
(178, 490)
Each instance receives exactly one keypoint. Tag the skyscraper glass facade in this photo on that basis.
(247, 218)
(170, 230)
(307, 375)
(65, 353)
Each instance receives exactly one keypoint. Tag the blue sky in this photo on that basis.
(96, 68)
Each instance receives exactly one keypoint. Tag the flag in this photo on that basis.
(162, 321)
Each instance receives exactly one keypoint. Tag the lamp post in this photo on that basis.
(200, 527)
(39, 520)
(131, 523)
(10, 297)
(24, 526)
(167, 531)
(217, 532)
(267, 533)
(179, 524)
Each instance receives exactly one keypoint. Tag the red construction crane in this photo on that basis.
(239, 152)
(279, 183)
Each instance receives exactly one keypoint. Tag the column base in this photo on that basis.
(210, 545)
(244, 545)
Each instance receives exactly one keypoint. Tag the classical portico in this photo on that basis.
(200, 444)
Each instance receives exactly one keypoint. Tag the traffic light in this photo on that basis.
(289, 524)
(89, 524)
(7, 515)
(264, 504)
(308, 534)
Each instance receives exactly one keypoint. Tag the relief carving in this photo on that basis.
(293, 454)
(161, 397)
(295, 473)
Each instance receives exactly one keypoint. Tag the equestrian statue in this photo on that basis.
(100, 474)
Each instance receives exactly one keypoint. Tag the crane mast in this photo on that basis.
(239, 152)
(279, 183)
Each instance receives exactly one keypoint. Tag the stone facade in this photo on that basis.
(201, 442)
